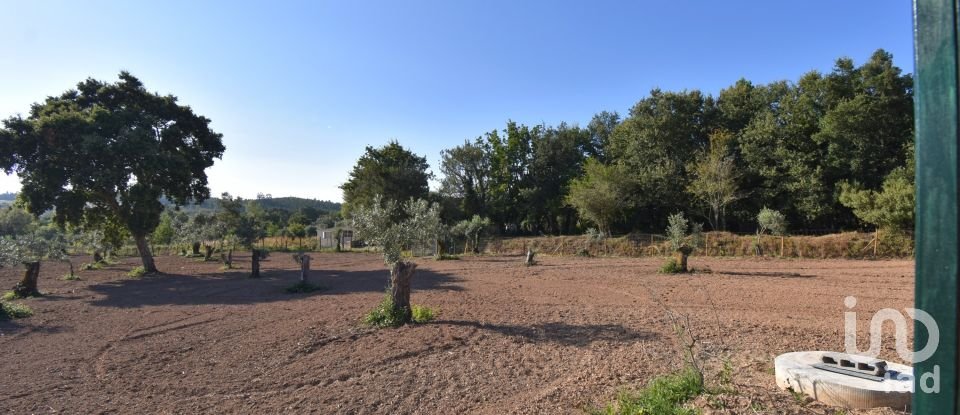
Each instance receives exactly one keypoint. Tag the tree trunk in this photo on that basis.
(97, 257)
(208, 252)
(27, 287)
(145, 254)
(255, 263)
(304, 268)
(476, 243)
(682, 254)
(401, 274)
(196, 249)
(530, 254)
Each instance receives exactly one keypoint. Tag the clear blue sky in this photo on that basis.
(300, 88)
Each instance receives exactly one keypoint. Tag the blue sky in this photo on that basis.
(300, 88)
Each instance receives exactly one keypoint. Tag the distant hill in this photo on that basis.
(291, 204)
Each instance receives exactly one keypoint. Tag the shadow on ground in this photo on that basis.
(562, 333)
(234, 287)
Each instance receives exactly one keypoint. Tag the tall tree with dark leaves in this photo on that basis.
(466, 176)
(108, 152)
(391, 171)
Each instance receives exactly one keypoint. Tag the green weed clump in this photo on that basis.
(9, 296)
(10, 311)
(664, 395)
(92, 266)
(386, 314)
(423, 314)
(446, 257)
(671, 267)
(71, 277)
(137, 272)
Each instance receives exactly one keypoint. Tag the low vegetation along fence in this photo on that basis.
(839, 245)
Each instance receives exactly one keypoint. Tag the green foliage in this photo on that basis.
(892, 207)
(15, 221)
(670, 267)
(106, 153)
(394, 228)
(422, 314)
(682, 234)
(446, 257)
(599, 196)
(9, 311)
(9, 296)
(303, 287)
(73, 277)
(714, 182)
(664, 395)
(769, 220)
(472, 229)
(137, 272)
(42, 243)
(92, 266)
(386, 314)
(391, 173)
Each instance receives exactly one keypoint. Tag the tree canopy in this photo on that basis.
(108, 152)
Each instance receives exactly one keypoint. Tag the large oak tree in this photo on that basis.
(108, 152)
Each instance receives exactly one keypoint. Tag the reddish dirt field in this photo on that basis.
(557, 337)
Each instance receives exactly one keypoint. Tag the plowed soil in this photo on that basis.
(559, 337)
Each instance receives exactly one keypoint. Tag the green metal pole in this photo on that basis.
(937, 259)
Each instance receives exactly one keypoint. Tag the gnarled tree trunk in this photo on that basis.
(27, 287)
(97, 257)
(304, 268)
(530, 254)
(208, 252)
(682, 254)
(255, 263)
(196, 249)
(145, 255)
(401, 274)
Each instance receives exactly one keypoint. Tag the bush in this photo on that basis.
(9, 296)
(664, 395)
(303, 287)
(70, 277)
(584, 252)
(671, 267)
(92, 266)
(12, 311)
(447, 257)
(386, 314)
(423, 314)
(137, 272)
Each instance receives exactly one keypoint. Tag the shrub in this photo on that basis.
(303, 287)
(671, 267)
(386, 314)
(137, 272)
(73, 277)
(92, 266)
(422, 314)
(9, 296)
(584, 252)
(12, 311)
(664, 395)
(447, 257)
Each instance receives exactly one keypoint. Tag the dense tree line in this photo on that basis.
(813, 149)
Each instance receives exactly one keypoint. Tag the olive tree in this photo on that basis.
(108, 152)
(772, 222)
(471, 229)
(394, 228)
(684, 238)
(28, 250)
